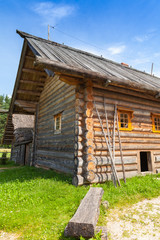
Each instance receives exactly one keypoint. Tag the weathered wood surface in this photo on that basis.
(157, 159)
(141, 138)
(83, 223)
(62, 68)
(56, 151)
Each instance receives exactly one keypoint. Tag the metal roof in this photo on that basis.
(72, 57)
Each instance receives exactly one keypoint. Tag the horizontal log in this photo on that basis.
(52, 165)
(126, 104)
(102, 161)
(28, 92)
(134, 147)
(34, 71)
(131, 134)
(32, 82)
(127, 91)
(56, 154)
(124, 97)
(83, 223)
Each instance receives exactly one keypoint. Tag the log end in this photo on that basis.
(77, 180)
(77, 230)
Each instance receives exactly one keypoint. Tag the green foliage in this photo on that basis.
(38, 204)
(4, 158)
(4, 104)
(96, 237)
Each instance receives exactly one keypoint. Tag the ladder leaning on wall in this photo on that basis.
(111, 145)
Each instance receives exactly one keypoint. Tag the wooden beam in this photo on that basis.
(70, 80)
(22, 103)
(30, 57)
(32, 82)
(34, 71)
(29, 92)
(21, 62)
(31, 110)
(83, 223)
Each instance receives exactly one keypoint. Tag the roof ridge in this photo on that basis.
(26, 35)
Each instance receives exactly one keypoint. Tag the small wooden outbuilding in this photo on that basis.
(76, 97)
(22, 139)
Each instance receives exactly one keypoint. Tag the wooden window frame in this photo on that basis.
(129, 112)
(153, 116)
(59, 115)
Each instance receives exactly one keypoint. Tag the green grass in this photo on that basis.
(38, 204)
(9, 164)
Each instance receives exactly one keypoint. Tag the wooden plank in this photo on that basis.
(32, 82)
(34, 71)
(34, 93)
(83, 223)
(102, 161)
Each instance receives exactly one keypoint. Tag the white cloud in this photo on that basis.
(116, 49)
(157, 54)
(141, 60)
(51, 12)
(141, 38)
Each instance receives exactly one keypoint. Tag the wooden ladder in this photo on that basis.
(111, 145)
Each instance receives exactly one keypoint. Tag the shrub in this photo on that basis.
(4, 158)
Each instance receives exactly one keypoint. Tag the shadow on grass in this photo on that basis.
(27, 173)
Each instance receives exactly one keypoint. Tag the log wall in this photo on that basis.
(56, 150)
(141, 138)
(92, 157)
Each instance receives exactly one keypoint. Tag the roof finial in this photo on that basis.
(48, 31)
(152, 69)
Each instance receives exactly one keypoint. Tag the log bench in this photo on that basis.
(83, 223)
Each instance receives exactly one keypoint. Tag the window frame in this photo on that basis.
(56, 131)
(153, 116)
(129, 113)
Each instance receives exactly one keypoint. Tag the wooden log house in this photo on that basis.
(62, 87)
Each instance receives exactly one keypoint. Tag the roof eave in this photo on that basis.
(62, 68)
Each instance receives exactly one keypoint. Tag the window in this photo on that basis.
(155, 122)
(57, 123)
(124, 119)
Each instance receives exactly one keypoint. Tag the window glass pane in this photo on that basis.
(156, 123)
(57, 120)
(57, 123)
(124, 120)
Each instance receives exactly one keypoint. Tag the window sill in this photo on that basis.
(126, 129)
(57, 132)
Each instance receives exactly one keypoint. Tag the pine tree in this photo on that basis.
(4, 104)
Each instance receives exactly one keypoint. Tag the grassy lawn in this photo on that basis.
(37, 204)
(9, 164)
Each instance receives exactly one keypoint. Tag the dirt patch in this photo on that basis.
(139, 222)
(9, 236)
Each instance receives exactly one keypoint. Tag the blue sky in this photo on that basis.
(120, 30)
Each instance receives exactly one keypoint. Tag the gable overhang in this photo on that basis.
(80, 75)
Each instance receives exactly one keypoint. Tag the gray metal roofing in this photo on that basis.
(80, 59)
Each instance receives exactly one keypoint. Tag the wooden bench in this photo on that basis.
(83, 223)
